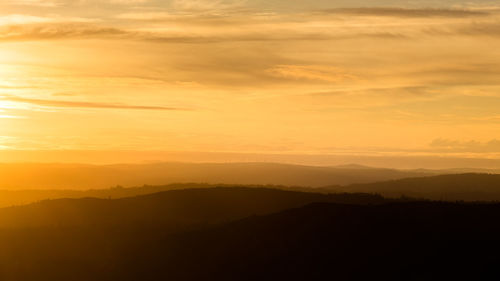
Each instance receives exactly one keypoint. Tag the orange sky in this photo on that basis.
(353, 77)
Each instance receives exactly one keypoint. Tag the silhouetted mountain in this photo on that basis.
(23, 197)
(410, 241)
(320, 241)
(67, 176)
(178, 208)
(468, 187)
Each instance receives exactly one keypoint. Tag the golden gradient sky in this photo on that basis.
(279, 76)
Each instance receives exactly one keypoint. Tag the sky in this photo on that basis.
(366, 78)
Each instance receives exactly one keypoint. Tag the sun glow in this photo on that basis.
(3, 115)
(7, 105)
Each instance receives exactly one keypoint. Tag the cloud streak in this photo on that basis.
(447, 145)
(58, 31)
(310, 72)
(62, 31)
(81, 104)
(247, 27)
(406, 13)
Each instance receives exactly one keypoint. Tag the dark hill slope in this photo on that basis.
(176, 208)
(468, 187)
(95, 239)
(403, 241)
(23, 197)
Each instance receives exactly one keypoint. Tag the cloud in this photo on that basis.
(22, 19)
(485, 29)
(146, 16)
(164, 26)
(57, 31)
(81, 104)
(3, 116)
(207, 5)
(446, 145)
(127, 2)
(406, 13)
(72, 30)
(310, 72)
(372, 100)
(390, 93)
(59, 3)
(39, 3)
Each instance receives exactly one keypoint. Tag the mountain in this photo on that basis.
(76, 176)
(401, 241)
(27, 196)
(468, 187)
(178, 208)
(361, 240)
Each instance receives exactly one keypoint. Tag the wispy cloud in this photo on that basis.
(57, 31)
(4, 116)
(61, 31)
(486, 29)
(207, 5)
(310, 72)
(58, 3)
(128, 2)
(166, 27)
(447, 145)
(406, 13)
(39, 3)
(82, 104)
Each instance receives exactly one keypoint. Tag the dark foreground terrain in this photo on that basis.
(249, 234)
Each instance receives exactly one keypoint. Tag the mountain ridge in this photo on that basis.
(15, 176)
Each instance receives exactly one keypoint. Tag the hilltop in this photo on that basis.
(468, 187)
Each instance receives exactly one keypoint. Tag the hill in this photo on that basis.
(469, 187)
(170, 209)
(27, 196)
(318, 241)
(402, 241)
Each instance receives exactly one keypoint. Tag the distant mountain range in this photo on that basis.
(75, 176)
(452, 187)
